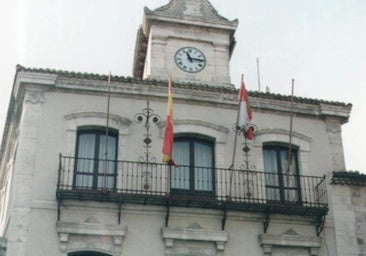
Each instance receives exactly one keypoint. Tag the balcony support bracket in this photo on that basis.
(119, 212)
(167, 213)
(58, 208)
(320, 224)
(266, 220)
(223, 220)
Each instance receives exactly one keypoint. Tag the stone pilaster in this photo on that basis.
(24, 168)
(334, 131)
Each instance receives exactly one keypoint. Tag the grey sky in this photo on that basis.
(319, 43)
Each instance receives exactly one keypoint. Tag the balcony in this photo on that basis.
(160, 184)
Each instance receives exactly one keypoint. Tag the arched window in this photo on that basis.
(195, 156)
(282, 179)
(95, 159)
(88, 253)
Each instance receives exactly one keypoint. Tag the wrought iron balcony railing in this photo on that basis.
(152, 183)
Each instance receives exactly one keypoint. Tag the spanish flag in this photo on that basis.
(169, 134)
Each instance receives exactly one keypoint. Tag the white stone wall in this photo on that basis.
(166, 39)
(349, 209)
(48, 125)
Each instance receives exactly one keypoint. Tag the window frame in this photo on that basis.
(192, 138)
(98, 131)
(281, 175)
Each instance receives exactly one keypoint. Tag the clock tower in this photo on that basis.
(187, 40)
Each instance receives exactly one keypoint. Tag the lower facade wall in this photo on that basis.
(91, 226)
(349, 207)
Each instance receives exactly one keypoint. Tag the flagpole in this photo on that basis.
(289, 155)
(235, 141)
(291, 124)
(258, 75)
(107, 133)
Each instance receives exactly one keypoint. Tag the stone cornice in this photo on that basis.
(187, 92)
(348, 178)
(310, 107)
(71, 234)
(256, 98)
(85, 83)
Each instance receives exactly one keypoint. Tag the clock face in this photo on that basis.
(190, 59)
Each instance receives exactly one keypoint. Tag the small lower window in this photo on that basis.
(95, 164)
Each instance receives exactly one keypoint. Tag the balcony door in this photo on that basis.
(195, 174)
(282, 180)
(93, 169)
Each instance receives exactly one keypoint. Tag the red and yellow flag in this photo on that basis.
(169, 134)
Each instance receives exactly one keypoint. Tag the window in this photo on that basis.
(282, 181)
(92, 170)
(195, 156)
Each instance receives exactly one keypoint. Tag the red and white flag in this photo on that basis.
(245, 113)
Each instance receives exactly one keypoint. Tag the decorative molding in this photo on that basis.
(289, 239)
(197, 126)
(193, 8)
(341, 114)
(194, 233)
(83, 236)
(74, 120)
(34, 97)
(333, 125)
(282, 135)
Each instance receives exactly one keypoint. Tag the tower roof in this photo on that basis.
(192, 12)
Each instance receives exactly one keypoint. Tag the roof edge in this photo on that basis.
(205, 87)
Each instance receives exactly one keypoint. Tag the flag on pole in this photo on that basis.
(245, 113)
(169, 134)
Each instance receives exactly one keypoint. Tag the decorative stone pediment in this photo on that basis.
(91, 235)
(194, 239)
(200, 9)
(282, 135)
(288, 241)
(198, 126)
(74, 120)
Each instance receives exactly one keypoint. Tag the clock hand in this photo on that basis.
(200, 60)
(189, 57)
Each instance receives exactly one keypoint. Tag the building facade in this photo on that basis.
(348, 205)
(81, 176)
